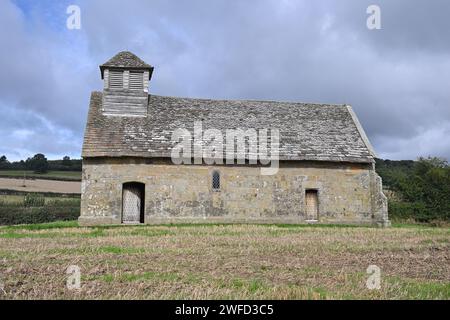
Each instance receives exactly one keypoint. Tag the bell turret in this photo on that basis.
(125, 91)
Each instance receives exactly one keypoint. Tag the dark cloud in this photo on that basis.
(396, 78)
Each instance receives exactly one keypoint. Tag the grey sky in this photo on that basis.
(397, 78)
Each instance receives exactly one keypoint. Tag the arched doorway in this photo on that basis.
(133, 202)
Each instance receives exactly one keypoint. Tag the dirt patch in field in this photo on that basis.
(40, 185)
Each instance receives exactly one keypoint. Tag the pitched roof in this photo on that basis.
(319, 132)
(125, 59)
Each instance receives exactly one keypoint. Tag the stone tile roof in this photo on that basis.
(125, 59)
(316, 132)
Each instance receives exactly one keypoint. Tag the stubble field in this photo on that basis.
(41, 185)
(223, 262)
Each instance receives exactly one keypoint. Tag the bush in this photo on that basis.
(9, 204)
(38, 163)
(27, 215)
(35, 208)
(424, 189)
(63, 203)
(416, 211)
(33, 200)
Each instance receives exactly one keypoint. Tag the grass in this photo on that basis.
(19, 199)
(120, 250)
(54, 175)
(43, 226)
(215, 261)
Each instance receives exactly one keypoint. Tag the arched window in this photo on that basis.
(216, 181)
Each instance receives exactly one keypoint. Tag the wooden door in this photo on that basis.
(312, 205)
(131, 204)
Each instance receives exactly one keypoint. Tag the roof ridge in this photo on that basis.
(252, 100)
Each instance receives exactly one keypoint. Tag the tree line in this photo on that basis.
(40, 164)
(422, 186)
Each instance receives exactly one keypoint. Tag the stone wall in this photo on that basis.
(347, 193)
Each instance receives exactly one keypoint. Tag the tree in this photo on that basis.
(432, 162)
(38, 163)
(4, 163)
(422, 186)
(66, 161)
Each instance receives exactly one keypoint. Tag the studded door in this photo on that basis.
(132, 199)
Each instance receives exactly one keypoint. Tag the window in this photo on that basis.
(216, 181)
(116, 79)
(136, 80)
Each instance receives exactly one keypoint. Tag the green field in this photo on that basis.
(53, 175)
(224, 262)
(18, 199)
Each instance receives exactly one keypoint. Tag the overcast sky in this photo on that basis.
(397, 79)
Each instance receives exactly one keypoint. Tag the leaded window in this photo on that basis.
(216, 181)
